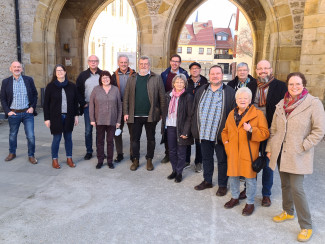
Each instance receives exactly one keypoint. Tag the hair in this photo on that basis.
(94, 56)
(54, 77)
(244, 90)
(122, 56)
(301, 75)
(16, 61)
(176, 56)
(145, 58)
(216, 66)
(182, 77)
(104, 73)
(242, 64)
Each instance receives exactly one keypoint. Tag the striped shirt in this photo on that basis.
(210, 112)
(20, 97)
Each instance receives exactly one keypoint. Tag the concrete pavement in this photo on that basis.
(39, 204)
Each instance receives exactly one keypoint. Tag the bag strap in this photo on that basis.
(249, 146)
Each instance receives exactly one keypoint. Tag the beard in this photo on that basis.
(143, 72)
(264, 80)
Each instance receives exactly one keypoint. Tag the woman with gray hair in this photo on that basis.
(177, 119)
(245, 118)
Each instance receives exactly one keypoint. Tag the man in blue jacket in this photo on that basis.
(167, 77)
(18, 100)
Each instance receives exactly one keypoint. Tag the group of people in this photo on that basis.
(237, 121)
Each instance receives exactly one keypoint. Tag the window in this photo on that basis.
(219, 38)
(201, 50)
(179, 50)
(189, 50)
(121, 7)
(188, 36)
(224, 38)
(209, 51)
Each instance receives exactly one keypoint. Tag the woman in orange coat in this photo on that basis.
(244, 118)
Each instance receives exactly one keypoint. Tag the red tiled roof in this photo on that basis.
(224, 44)
(201, 33)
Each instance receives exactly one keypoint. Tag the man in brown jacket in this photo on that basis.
(143, 103)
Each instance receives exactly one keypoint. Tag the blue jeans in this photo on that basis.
(207, 149)
(67, 142)
(267, 180)
(14, 122)
(88, 131)
(250, 188)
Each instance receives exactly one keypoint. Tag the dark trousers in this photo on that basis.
(208, 148)
(118, 139)
(101, 130)
(198, 153)
(166, 144)
(150, 128)
(177, 153)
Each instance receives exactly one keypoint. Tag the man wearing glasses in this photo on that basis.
(269, 93)
(143, 103)
(167, 77)
(18, 100)
(86, 82)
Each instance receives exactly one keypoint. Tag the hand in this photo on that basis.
(93, 123)
(76, 120)
(126, 118)
(47, 123)
(30, 110)
(86, 105)
(118, 125)
(11, 113)
(182, 136)
(268, 155)
(226, 142)
(247, 126)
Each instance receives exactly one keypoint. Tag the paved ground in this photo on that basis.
(39, 204)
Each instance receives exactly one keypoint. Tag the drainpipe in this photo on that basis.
(18, 31)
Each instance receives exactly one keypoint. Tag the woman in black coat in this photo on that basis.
(177, 119)
(61, 113)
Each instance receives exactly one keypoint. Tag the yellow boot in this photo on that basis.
(305, 235)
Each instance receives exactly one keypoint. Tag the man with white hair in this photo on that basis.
(143, 103)
(86, 82)
(119, 79)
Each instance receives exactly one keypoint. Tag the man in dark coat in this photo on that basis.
(18, 100)
(269, 93)
(167, 77)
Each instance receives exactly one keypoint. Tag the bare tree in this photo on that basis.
(245, 42)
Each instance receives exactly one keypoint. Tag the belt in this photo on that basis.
(19, 110)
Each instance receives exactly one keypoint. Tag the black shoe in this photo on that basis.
(110, 165)
(172, 176)
(105, 156)
(99, 165)
(119, 158)
(88, 156)
(165, 159)
(178, 178)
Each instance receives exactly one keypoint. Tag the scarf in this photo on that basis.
(175, 95)
(61, 84)
(291, 103)
(238, 116)
(262, 86)
(242, 84)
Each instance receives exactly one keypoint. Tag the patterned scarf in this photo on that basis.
(262, 86)
(175, 95)
(238, 116)
(290, 103)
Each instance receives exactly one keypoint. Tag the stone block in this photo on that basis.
(146, 38)
(311, 7)
(306, 59)
(163, 7)
(318, 59)
(309, 34)
(289, 53)
(294, 66)
(282, 10)
(315, 69)
(286, 38)
(142, 8)
(313, 21)
(285, 23)
(321, 8)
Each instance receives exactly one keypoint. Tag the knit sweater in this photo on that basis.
(142, 103)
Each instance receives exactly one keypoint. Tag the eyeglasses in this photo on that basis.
(297, 85)
(143, 64)
(260, 69)
(59, 70)
(105, 78)
(93, 61)
(174, 61)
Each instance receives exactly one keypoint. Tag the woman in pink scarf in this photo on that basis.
(297, 127)
(177, 119)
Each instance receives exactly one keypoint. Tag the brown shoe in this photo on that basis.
(204, 185)
(221, 191)
(242, 195)
(32, 160)
(149, 164)
(70, 163)
(266, 202)
(10, 157)
(248, 210)
(55, 163)
(232, 203)
(135, 164)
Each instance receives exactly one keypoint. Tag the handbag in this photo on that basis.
(260, 163)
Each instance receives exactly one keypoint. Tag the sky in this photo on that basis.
(219, 11)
